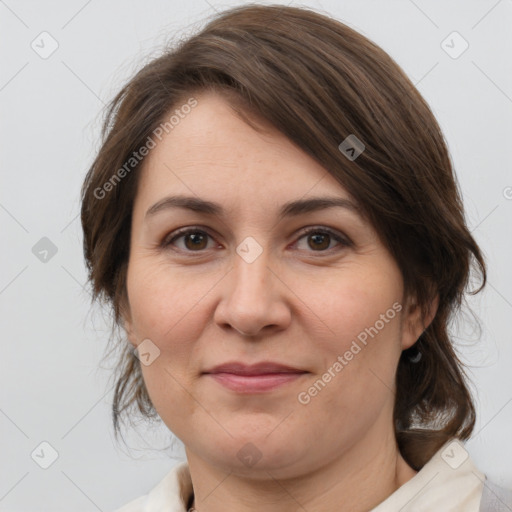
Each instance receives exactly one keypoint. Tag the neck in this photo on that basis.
(357, 481)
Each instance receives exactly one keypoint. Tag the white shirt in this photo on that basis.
(449, 482)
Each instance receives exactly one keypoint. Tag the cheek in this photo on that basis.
(167, 307)
(359, 340)
(165, 310)
(357, 377)
(163, 302)
(362, 302)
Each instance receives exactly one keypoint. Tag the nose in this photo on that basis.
(255, 299)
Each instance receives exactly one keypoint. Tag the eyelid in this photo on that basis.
(342, 239)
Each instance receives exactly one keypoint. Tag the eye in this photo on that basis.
(193, 238)
(321, 238)
(196, 240)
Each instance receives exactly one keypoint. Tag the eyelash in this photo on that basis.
(343, 241)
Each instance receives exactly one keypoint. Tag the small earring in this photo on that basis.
(415, 358)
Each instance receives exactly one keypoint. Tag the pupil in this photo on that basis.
(316, 239)
(195, 239)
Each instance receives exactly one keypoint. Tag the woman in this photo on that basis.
(274, 218)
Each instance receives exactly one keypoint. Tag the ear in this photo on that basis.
(128, 325)
(412, 325)
(130, 335)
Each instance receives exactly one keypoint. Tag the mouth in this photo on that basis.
(256, 378)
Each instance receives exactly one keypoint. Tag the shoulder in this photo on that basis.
(495, 498)
(170, 494)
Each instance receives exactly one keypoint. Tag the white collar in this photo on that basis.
(449, 481)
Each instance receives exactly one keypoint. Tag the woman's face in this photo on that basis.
(248, 285)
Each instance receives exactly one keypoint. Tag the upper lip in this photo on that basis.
(264, 367)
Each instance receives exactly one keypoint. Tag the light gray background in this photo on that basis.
(53, 387)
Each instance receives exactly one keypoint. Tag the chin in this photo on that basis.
(260, 455)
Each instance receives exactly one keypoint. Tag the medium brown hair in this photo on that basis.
(317, 81)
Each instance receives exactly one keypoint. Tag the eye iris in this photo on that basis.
(317, 238)
(196, 239)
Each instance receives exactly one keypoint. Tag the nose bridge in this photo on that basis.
(252, 300)
(251, 274)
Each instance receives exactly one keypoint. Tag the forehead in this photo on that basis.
(212, 152)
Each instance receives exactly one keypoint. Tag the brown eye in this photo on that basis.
(319, 240)
(194, 240)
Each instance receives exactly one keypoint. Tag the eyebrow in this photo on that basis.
(290, 209)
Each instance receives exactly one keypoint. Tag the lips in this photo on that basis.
(256, 378)
(263, 368)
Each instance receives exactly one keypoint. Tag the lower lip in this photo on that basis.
(254, 383)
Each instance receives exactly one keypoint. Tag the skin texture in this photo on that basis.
(301, 302)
